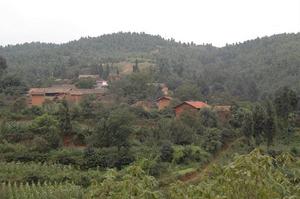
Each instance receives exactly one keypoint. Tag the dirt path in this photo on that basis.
(197, 176)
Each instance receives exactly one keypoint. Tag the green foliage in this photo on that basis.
(181, 133)
(85, 83)
(188, 92)
(212, 140)
(3, 65)
(135, 67)
(106, 158)
(135, 87)
(37, 172)
(270, 128)
(64, 117)
(208, 118)
(166, 152)
(48, 128)
(247, 126)
(14, 131)
(88, 107)
(133, 184)
(11, 84)
(259, 115)
(189, 153)
(37, 191)
(248, 176)
(114, 130)
(285, 102)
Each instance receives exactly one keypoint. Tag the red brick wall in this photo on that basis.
(37, 100)
(184, 107)
(163, 103)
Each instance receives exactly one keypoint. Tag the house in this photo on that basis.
(189, 106)
(39, 95)
(223, 113)
(163, 102)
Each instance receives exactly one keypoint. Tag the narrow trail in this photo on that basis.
(197, 176)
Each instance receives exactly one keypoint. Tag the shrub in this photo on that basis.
(166, 152)
(212, 140)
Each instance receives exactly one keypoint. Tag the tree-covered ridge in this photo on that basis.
(248, 70)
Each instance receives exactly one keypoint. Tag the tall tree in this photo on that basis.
(115, 130)
(258, 122)
(270, 122)
(247, 126)
(135, 67)
(285, 102)
(64, 118)
(3, 65)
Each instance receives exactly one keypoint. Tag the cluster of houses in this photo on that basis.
(69, 92)
(72, 94)
(223, 112)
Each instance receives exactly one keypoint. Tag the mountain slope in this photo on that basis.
(262, 64)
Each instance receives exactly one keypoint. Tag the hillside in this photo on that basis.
(247, 70)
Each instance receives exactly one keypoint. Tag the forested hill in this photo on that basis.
(246, 69)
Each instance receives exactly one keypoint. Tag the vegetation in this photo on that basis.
(120, 145)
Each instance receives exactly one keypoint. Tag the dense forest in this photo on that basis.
(117, 146)
(250, 69)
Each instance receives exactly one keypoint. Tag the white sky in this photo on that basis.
(202, 21)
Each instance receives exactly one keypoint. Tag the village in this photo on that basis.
(72, 94)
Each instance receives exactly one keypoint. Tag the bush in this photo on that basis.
(67, 157)
(212, 140)
(190, 153)
(40, 144)
(25, 156)
(106, 158)
(166, 152)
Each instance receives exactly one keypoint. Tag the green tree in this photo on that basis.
(181, 134)
(166, 152)
(135, 67)
(259, 116)
(115, 130)
(270, 122)
(47, 127)
(64, 118)
(208, 118)
(188, 91)
(3, 65)
(285, 102)
(212, 140)
(86, 83)
(247, 126)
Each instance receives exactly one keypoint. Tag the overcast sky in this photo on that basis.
(202, 21)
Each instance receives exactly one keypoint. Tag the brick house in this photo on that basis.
(163, 102)
(189, 106)
(39, 95)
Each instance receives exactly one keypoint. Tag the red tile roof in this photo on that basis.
(195, 104)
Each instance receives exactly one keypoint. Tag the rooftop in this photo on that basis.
(195, 104)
